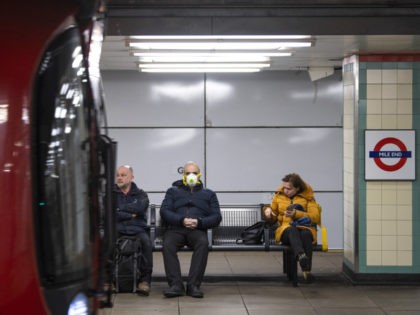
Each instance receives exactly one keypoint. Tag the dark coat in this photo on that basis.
(200, 203)
(135, 203)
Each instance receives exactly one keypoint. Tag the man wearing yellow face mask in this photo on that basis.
(188, 210)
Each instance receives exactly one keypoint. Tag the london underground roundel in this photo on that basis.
(390, 154)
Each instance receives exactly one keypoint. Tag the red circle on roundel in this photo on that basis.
(396, 166)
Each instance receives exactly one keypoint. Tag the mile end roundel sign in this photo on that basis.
(390, 155)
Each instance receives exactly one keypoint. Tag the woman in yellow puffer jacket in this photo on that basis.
(297, 213)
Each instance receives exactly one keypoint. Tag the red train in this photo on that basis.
(56, 168)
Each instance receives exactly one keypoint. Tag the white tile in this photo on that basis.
(389, 197)
(373, 197)
(404, 197)
(389, 76)
(404, 242)
(405, 258)
(389, 91)
(374, 121)
(389, 106)
(404, 106)
(389, 228)
(389, 185)
(404, 212)
(373, 242)
(389, 212)
(389, 121)
(405, 76)
(373, 227)
(405, 91)
(373, 258)
(404, 122)
(373, 106)
(374, 91)
(404, 228)
(374, 76)
(373, 212)
(389, 258)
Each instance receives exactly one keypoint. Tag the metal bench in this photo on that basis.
(224, 237)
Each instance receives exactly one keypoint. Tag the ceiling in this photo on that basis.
(339, 28)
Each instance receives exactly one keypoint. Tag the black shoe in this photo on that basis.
(309, 277)
(194, 291)
(174, 291)
(304, 262)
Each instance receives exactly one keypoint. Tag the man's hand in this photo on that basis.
(190, 223)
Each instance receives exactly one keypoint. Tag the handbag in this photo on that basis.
(253, 234)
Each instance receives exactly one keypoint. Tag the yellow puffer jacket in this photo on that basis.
(306, 200)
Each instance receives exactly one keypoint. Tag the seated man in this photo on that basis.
(188, 210)
(131, 212)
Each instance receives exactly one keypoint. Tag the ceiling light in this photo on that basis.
(201, 70)
(231, 37)
(184, 58)
(217, 45)
(185, 53)
(268, 53)
(204, 65)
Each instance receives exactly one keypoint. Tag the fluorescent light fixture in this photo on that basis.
(184, 58)
(212, 53)
(232, 37)
(190, 53)
(217, 45)
(203, 65)
(202, 70)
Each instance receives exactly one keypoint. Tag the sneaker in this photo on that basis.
(143, 288)
(308, 276)
(174, 291)
(304, 261)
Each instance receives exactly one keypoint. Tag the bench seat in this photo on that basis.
(224, 237)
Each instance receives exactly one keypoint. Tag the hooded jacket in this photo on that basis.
(199, 203)
(305, 205)
(131, 210)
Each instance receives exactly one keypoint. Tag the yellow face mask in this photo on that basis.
(191, 179)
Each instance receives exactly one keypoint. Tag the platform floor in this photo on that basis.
(247, 283)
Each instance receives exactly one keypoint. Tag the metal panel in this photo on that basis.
(256, 159)
(156, 154)
(273, 98)
(139, 99)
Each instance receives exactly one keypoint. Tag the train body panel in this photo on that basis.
(28, 28)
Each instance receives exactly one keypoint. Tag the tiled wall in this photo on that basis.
(381, 218)
(385, 207)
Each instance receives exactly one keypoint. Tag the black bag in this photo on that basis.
(127, 264)
(253, 234)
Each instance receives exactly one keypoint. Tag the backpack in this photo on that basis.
(253, 234)
(127, 264)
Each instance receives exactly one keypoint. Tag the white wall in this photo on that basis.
(245, 130)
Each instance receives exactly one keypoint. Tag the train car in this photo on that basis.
(55, 166)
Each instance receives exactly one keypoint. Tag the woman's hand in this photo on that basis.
(268, 212)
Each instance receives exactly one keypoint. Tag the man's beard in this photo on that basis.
(122, 185)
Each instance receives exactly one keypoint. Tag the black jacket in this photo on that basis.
(200, 203)
(135, 203)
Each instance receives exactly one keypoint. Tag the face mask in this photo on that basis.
(191, 179)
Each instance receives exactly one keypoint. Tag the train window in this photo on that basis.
(61, 154)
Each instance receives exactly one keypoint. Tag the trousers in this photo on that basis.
(173, 240)
(300, 240)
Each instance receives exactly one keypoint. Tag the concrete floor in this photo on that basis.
(239, 283)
